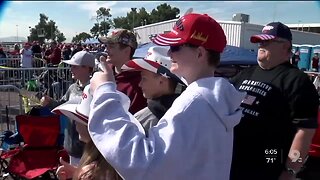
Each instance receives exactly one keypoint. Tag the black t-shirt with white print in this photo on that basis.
(278, 101)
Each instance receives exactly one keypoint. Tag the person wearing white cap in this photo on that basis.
(92, 164)
(26, 56)
(26, 61)
(82, 65)
(158, 84)
(194, 138)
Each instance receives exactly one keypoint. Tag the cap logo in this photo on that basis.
(267, 28)
(179, 25)
(125, 40)
(199, 36)
(148, 54)
(84, 96)
(174, 31)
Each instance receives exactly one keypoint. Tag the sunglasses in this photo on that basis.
(177, 48)
(268, 42)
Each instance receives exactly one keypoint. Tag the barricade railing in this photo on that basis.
(22, 88)
(52, 81)
(11, 104)
(10, 62)
(16, 62)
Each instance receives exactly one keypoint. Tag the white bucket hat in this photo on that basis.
(80, 112)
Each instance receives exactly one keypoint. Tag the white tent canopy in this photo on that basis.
(90, 41)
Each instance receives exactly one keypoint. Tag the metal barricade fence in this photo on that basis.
(51, 80)
(15, 62)
(11, 104)
(10, 62)
(22, 87)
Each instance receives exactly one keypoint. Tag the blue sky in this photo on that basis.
(73, 17)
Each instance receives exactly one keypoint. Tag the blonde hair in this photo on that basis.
(100, 168)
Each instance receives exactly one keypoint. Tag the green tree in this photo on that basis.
(144, 17)
(133, 19)
(121, 22)
(164, 12)
(101, 28)
(81, 37)
(141, 17)
(60, 36)
(45, 30)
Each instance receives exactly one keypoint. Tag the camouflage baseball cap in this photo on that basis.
(122, 36)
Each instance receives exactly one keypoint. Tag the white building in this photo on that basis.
(238, 33)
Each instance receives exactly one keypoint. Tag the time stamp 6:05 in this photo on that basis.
(273, 155)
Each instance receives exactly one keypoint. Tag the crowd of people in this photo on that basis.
(37, 55)
(167, 116)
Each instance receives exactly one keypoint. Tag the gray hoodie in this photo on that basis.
(193, 140)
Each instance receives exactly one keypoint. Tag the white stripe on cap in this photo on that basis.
(125, 67)
(166, 40)
(169, 39)
(160, 40)
(266, 37)
(145, 65)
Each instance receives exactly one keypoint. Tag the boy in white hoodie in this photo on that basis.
(193, 140)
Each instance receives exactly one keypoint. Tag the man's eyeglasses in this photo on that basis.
(268, 42)
(177, 48)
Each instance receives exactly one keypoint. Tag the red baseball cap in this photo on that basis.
(195, 29)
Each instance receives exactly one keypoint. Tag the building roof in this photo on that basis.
(304, 25)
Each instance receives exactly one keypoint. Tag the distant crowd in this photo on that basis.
(36, 54)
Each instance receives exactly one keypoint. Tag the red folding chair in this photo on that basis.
(40, 153)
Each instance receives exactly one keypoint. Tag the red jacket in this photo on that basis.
(128, 83)
(54, 56)
(315, 62)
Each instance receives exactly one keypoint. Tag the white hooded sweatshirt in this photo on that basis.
(193, 140)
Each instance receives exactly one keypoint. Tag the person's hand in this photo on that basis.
(45, 100)
(99, 78)
(65, 171)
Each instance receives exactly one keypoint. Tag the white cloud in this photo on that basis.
(92, 7)
(18, 2)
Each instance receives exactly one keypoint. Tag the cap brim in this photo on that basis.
(69, 110)
(144, 64)
(70, 62)
(261, 37)
(105, 40)
(141, 64)
(168, 39)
